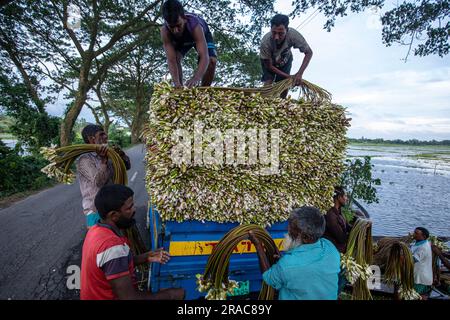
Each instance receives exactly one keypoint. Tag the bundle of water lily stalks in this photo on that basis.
(393, 255)
(400, 270)
(62, 159)
(383, 248)
(358, 258)
(242, 155)
(215, 279)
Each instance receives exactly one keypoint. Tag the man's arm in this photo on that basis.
(269, 66)
(158, 255)
(272, 275)
(123, 289)
(202, 50)
(263, 261)
(299, 75)
(171, 57)
(441, 256)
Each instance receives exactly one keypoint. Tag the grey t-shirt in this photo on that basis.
(280, 56)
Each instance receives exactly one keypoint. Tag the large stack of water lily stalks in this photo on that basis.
(291, 156)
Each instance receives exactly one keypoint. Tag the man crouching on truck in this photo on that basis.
(107, 264)
(309, 269)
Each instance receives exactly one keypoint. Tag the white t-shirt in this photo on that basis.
(423, 263)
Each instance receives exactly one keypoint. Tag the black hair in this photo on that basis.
(171, 10)
(424, 231)
(111, 198)
(279, 19)
(89, 131)
(339, 191)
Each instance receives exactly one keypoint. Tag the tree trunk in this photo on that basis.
(106, 125)
(139, 118)
(136, 130)
(75, 108)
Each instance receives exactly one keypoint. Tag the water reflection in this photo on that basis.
(414, 192)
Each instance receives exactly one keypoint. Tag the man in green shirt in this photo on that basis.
(276, 55)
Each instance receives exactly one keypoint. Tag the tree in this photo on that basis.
(359, 184)
(424, 21)
(60, 51)
(129, 84)
(21, 89)
(74, 57)
(32, 126)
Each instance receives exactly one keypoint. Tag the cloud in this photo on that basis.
(400, 128)
(385, 96)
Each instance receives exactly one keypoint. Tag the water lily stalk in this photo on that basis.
(215, 279)
(308, 91)
(358, 258)
(400, 270)
(61, 160)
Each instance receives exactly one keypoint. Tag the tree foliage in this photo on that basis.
(424, 21)
(358, 181)
(18, 173)
(72, 58)
(32, 127)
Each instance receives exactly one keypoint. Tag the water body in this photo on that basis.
(9, 143)
(414, 191)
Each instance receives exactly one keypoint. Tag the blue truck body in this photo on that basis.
(181, 270)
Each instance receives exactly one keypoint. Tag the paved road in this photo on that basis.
(42, 235)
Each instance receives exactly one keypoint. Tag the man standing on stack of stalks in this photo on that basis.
(423, 262)
(94, 170)
(276, 55)
(180, 33)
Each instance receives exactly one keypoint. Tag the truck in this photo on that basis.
(190, 243)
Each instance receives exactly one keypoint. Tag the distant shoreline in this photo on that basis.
(353, 141)
(397, 142)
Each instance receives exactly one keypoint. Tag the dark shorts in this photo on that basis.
(269, 75)
(183, 49)
(422, 289)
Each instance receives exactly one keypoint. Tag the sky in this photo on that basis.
(385, 97)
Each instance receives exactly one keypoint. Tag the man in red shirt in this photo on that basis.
(107, 265)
